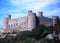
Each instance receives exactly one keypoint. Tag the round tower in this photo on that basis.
(5, 23)
(55, 18)
(40, 14)
(31, 20)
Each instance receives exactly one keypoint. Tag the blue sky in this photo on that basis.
(19, 8)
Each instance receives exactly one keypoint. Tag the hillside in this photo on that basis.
(37, 35)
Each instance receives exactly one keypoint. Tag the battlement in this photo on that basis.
(29, 22)
(9, 16)
(40, 14)
(55, 18)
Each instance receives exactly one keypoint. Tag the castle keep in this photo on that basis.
(28, 22)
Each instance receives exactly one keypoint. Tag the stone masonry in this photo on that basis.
(28, 22)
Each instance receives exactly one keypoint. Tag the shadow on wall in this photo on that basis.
(37, 21)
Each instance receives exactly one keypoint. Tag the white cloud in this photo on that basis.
(18, 15)
(19, 2)
(32, 4)
(54, 12)
(35, 5)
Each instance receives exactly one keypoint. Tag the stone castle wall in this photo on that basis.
(28, 22)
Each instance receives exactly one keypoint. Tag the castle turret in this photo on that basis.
(5, 23)
(40, 14)
(55, 18)
(31, 20)
(9, 17)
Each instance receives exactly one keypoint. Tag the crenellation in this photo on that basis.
(40, 14)
(55, 18)
(18, 22)
(9, 17)
(28, 22)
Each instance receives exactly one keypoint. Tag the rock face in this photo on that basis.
(28, 22)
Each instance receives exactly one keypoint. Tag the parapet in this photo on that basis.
(40, 14)
(34, 14)
(9, 16)
(55, 17)
(30, 11)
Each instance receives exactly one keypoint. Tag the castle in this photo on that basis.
(28, 22)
